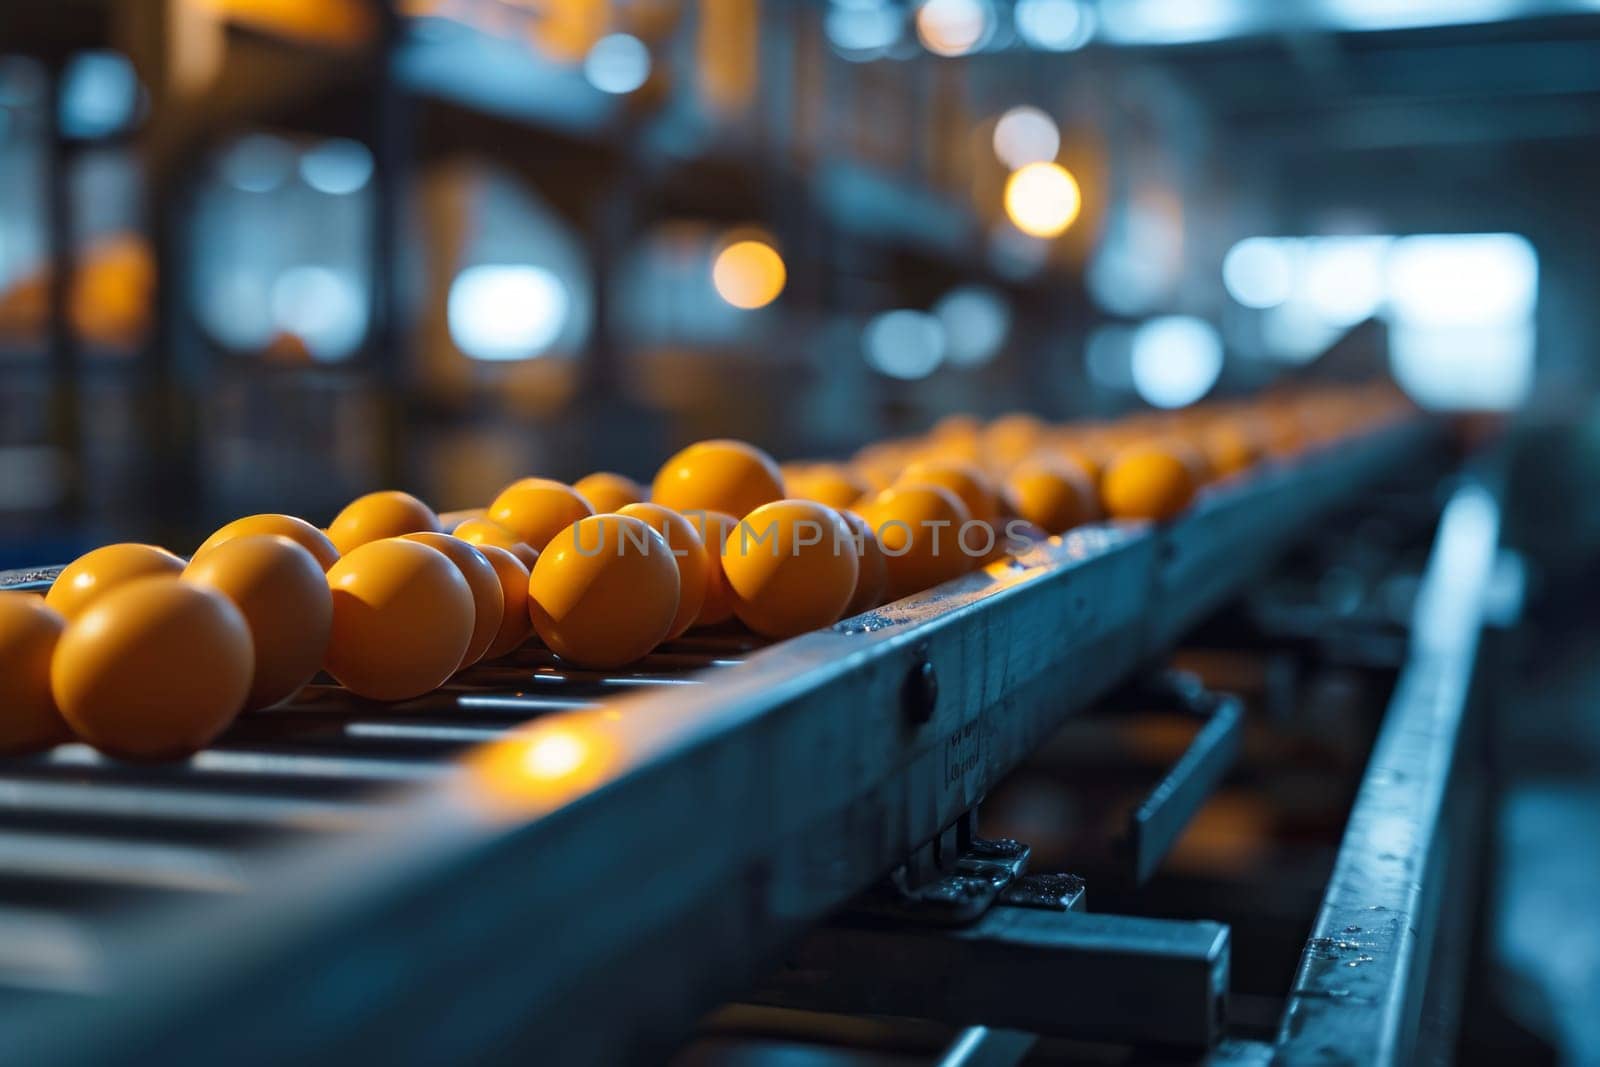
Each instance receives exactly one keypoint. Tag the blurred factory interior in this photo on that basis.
(267, 255)
(317, 247)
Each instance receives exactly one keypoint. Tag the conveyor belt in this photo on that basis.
(337, 863)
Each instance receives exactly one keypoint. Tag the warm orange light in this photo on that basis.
(543, 767)
(565, 30)
(1043, 199)
(749, 274)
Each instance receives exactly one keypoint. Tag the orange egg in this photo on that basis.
(965, 480)
(93, 574)
(1229, 446)
(536, 509)
(727, 476)
(828, 484)
(1009, 440)
(872, 570)
(1147, 482)
(605, 591)
(1053, 496)
(402, 619)
(29, 630)
(378, 515)
(794, 468)
(154, 669)
(689, 550)
(281, 591)
(449, 520)
(1283, 429)
(487, 597)
(1086, 455)
(791, 566)
(608, 492)
(515, 626)
(482, 532)
(714, 528)
(917, 526)
(299, 531)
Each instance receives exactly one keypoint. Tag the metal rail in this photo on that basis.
(682, 835)
(1364, 974)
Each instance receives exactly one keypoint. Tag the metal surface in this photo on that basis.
(1155, 825)
(1364, 975)
(982, 1046)
(1066, 974)
(706, 821)
(975, 881)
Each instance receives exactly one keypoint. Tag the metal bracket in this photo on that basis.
(1061, 973)
(1157, 823)
(977, 878)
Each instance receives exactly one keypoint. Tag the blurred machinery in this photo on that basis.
(437, 245)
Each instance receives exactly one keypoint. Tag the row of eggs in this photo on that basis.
(147, 656)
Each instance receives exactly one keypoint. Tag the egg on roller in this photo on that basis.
(449, 520)
(608, 492)
(963, 479)
(1230, 447)
(919, 528)
(482, 532)
(536, 509)
(1055, 496)
(872, 570)
(299, 531)
(714, 528)
(93, 574)
(515, 625)
(605, 592)
(155, 669)
(281, 591)
(29, 631)
(376, 516)
(1149, 481)
(719, 475)
(827, 483)
(688, 551)
(487, 596)
(791, 566)
(402, 619)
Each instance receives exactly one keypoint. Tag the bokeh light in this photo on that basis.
(323, 307)
(1468, 279)
(975, 320)
(1344, 278)
(904, 344)
(1175, 361)
(1025, 135)
(863, 29)
(257, 163)
(1042, 199)
(749, 274)
(1054, 25)
(1258, 272)
(954, 27)
(619, 63)
(337, 167)
(501, 312)
(99, 94)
